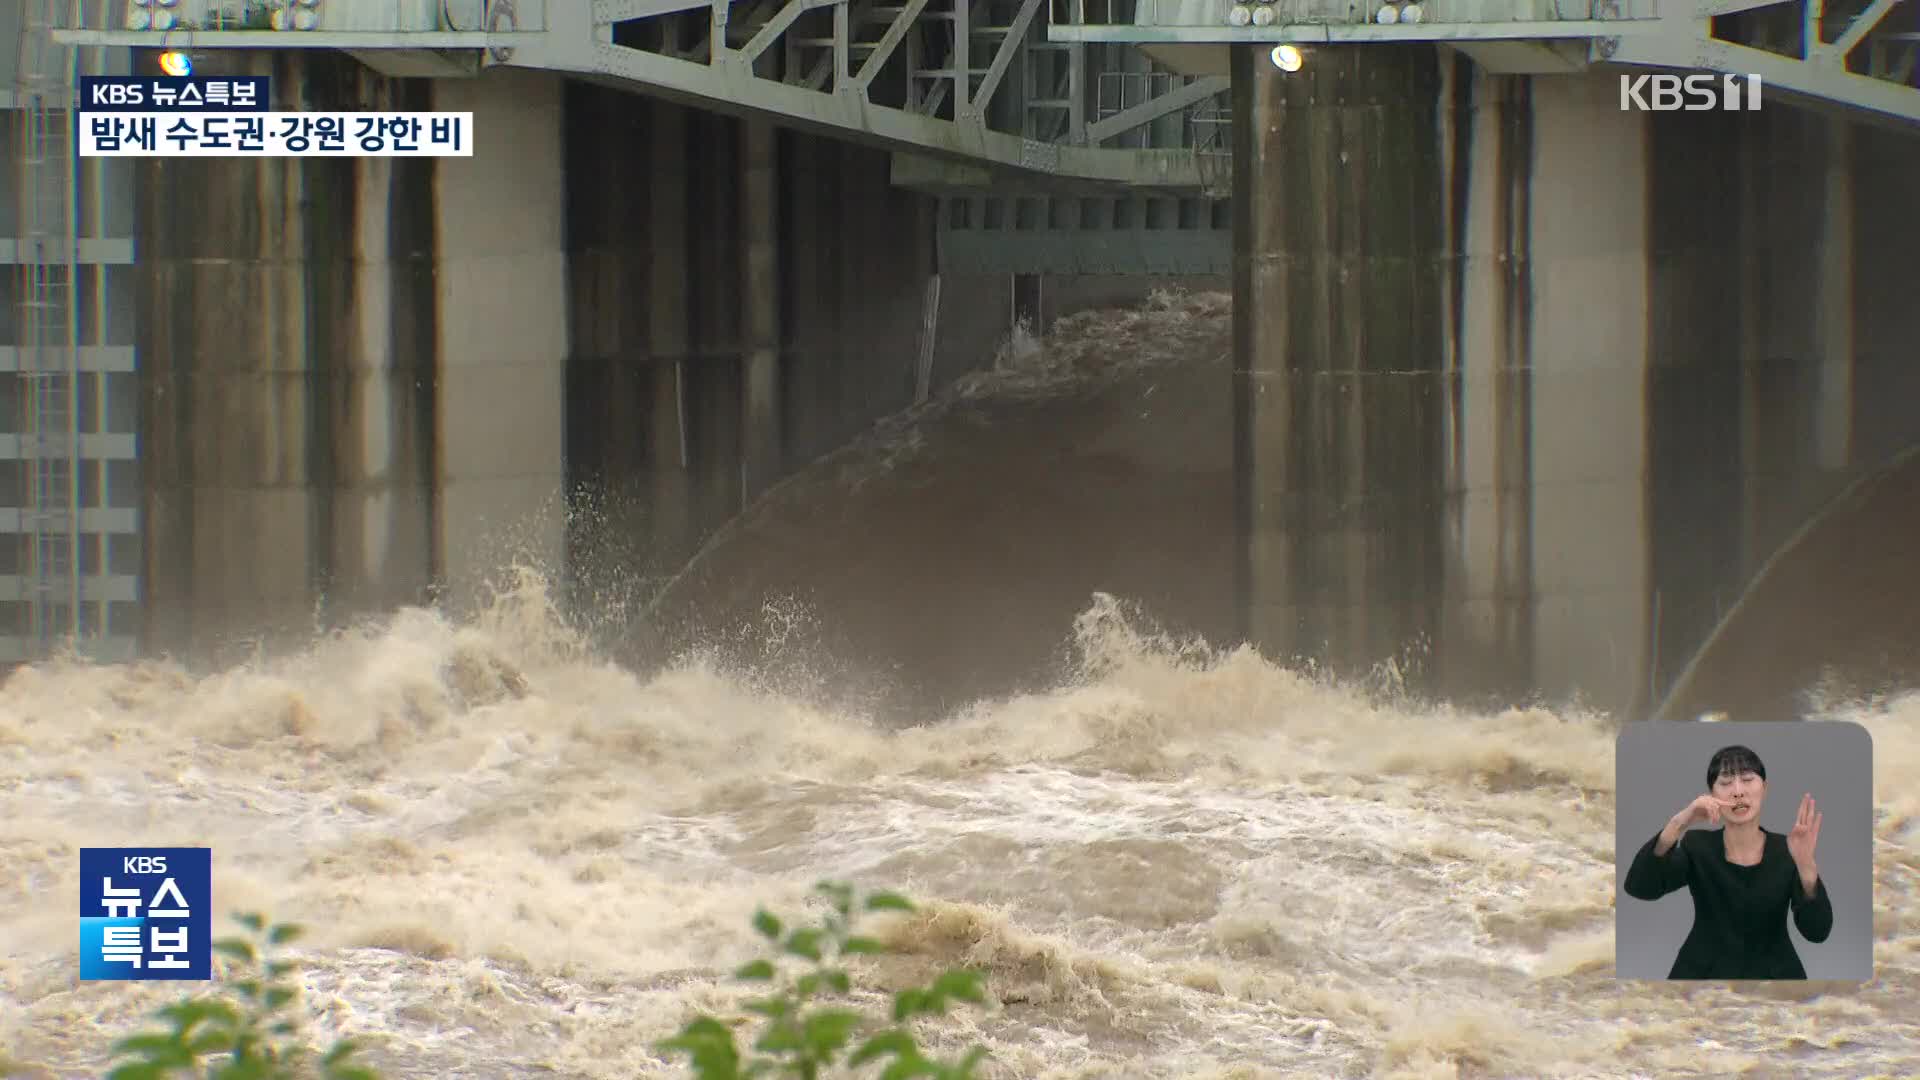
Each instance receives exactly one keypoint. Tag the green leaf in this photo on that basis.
(828, 1030)
(759, 970)
(779, 1038)
(250, 920)
(351, 1072)
(237, 948)
(838, 980)
(888, 901)
(893, 1041)
(213, 1041)
(804, 943)
(908, 1065)
(710, 1044)
(908, 1002)
(187, 1015)
(961, 984)
(771, 1008)
(278, 996)
(341, 1051)
(862, 945)
(284, 933)
(139, 1071)
(151, 1046)
(767, 923)
(806, 985)
(281, 968)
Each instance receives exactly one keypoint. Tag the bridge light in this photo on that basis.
(1387, 15)
(1412, 13)
(1241, 15)
(175, 62)
(1287, 57)
(1263, 15)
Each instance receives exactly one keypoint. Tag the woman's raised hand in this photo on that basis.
(1705, 808)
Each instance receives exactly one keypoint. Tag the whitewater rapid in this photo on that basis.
(519, 854)
(1181, 864)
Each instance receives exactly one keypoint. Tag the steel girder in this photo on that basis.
(1859, 54)
(965, 84)
(986, 92)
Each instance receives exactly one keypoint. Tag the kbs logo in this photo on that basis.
(115, 93)
(1689, 93)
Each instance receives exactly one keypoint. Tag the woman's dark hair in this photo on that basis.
(1734, 760)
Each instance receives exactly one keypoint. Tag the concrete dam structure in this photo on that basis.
(1525, 389)
(375, 383)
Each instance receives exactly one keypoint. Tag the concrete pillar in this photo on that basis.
(1833, 302)
(286, 318)
(1340, 349)
(503, 346)
(1589, 309)
(668, 338)
(760, 436)
(1491, 594)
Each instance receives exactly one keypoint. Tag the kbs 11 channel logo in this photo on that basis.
(232, 116)
(144, 913)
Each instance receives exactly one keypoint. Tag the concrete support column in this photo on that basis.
(286, 316)
(503, 357)
(760, 435)
(668, 338)
(1340, 350)
(1589, 305)
(1492, 594)
(1833, 303)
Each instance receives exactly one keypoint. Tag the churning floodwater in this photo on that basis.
(1173, 859)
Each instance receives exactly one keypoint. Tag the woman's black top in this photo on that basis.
(1739, 912)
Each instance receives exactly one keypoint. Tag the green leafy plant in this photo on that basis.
(249, 1027)
(800, 1037)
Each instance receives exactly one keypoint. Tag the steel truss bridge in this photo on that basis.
(1060, 132)
(1108, 93)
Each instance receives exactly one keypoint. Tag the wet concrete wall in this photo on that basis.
(1660, 343)
(288, 314)
(379, 382)
(684, 401)
(501, 294)
(1340, 367)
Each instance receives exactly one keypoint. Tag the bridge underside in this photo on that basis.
(1000, 92)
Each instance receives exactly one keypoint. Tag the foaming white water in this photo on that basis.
(516, 858)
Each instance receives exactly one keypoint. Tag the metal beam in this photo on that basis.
(1711, 8)
(295, 39)
(1014, 40)
(1322, 33)
(1127, 119)
(896, 32)
(1861, 26)
(607, 12)
(737, 90)
(778, 25)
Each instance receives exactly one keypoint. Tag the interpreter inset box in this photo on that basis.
(1744, 851)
